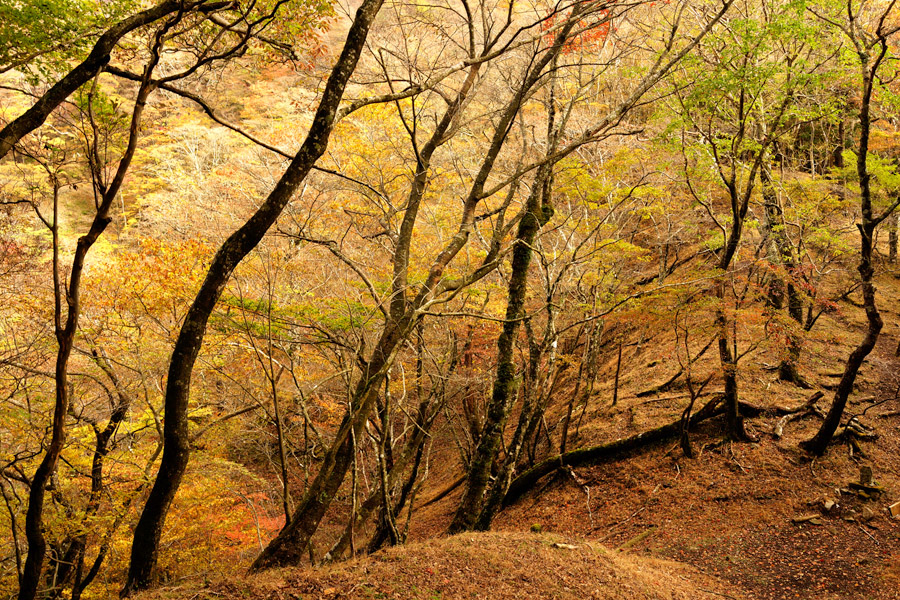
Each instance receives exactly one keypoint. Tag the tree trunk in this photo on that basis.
(615, 398)
(72, 563)
(66, 328)
(819, 443)
(176, 449)
(526, 480)
(733, 419)
(529, 417)
(892, 239)
(503, 394)
(781, 253)
(289, 546)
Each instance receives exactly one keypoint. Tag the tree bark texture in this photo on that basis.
(176, 440)
(819, 443)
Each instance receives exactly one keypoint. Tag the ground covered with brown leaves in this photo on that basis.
(767, 518)
(751, 521)
(495, 566)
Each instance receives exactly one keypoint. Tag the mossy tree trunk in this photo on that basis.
(503, 391)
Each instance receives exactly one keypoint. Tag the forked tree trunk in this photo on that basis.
(502, 394)
(71, 566)
(66, 328)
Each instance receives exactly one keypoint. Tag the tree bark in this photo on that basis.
(176, 440)
(819, 443)
(610, 450)
(502, 395)
(892, 239)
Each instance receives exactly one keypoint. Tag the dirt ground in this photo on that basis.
(754, 521)
(730, 512)
(489, 566)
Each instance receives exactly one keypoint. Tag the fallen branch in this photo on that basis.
(526, 480)
(668, 383)
(443, 494)
(803, 407)
(637, 539)
(675, 397)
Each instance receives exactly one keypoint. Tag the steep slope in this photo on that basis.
(743, 511)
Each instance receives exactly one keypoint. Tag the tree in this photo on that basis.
(537, 211)
(738, 100)
(869, 28)
(99, 56)
(67, 299)
(107, 173)
(176, 449)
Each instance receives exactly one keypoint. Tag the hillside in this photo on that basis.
(501, 566)
(741, 520)
(731, 512)
(299, 296)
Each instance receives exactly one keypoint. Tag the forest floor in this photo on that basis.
(732, 512)
(490, 566)
(741, 520)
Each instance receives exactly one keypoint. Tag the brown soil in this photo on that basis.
(726, 517)
(729, 512)
(496, 566)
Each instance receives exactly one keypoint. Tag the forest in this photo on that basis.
(449, 299)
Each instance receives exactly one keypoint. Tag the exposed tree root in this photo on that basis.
(792, 414)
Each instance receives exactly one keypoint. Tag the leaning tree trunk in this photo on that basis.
(819, 443)
(176, 440)
(289, 546)
(610, 450)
